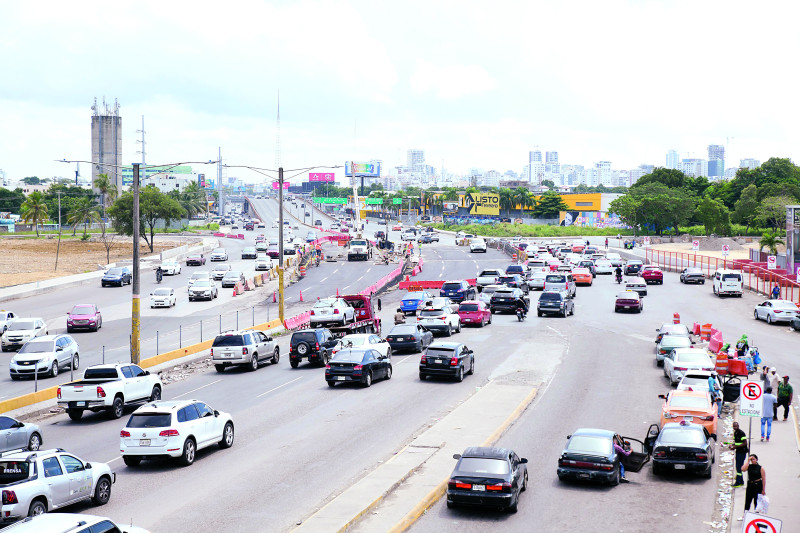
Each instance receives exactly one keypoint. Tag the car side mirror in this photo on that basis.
(456, 456)
(216, 413)
(569, 436)
(146, 372)
(662, 396)
(87, 466)
(59, 348)
(523, 460)
(19, 425)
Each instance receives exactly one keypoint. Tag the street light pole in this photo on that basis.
(135, 314)
(280, 244)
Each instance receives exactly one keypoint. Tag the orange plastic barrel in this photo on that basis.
(676, 318)
(705, 331)
(722, 363)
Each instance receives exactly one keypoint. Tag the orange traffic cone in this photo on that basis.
(274, 297)
(234, 291)
(301, 296)
(337, 292)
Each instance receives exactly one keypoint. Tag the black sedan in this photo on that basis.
(633, 267)
(409, 337)
(447, 359)
(683, 446)
(590, 456)
(117, 276)
(693, 275)
(487, 477)
(514, 280)
(358, 366)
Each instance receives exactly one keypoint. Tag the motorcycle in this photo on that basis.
(159, 276)
(520, 315)
(619, 278)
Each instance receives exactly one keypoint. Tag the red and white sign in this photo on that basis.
(759, 523)
(772, 262)
(751, 402)
(321, 176)
(695, 245)
(726, 250)
(285, 185)
(646, 241)
(797, 275)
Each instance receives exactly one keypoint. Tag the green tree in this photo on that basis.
(655, 205)
(791, 190)
(670, 177)
(771, 241)
(34, 210)
(506, 200)
(153, 206)
(31, 180)
(629, 209)
(714, 216)
(84, 212)
(522, 198)
(549, 205)
(108, 191)
(11, 201)
(746, 207)
(772, 211)
(549, 183)
(192, 199)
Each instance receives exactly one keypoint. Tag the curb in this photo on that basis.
(433, 496)
(793, 410)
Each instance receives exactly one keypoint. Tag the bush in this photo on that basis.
(525, 230)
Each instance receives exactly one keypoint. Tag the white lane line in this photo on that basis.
(370, 268)
(197, 389)
(278, 387)
(324, 279)
(404, 360)
(114, 459)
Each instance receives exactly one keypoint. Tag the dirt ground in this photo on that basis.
(25, 260)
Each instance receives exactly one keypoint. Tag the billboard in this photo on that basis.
(327, 177)
(201, 180)
(483, 203)
(275, 185)
(371, 169)
(594, 219)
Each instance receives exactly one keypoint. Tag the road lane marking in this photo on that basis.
(114, 459)
(197, 389)
(404, 360)
(278, 387)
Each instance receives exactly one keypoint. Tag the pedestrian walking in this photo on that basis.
(740, 445)
(776, 292)
(756, 481)
(785, 395)
(774, 382)
(606, 243)
(766, 413)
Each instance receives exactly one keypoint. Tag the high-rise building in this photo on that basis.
(535, 156)
(107, 143)
(749, 163)
(551, 165)
(3, 179)
(673, 160)
(716, 160)
(416, 159)
(604, 175)
(694, 167)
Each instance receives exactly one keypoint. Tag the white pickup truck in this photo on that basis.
(488, 277)
(109, 388)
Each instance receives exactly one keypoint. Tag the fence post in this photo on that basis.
(237, 319)
(157, 352)
(201, 330)
(180, 336)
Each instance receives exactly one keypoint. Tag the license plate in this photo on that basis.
(144, 442)
(583, 476)
(399, 339)
(680, 467)
(80, 404)
(340, 378)
(438, 361)
(467, 320)
(688, 418)
(479, 487)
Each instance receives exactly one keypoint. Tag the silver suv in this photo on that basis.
(45, 356)
(243, 348)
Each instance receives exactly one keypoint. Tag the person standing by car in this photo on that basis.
(716, 396)
(785, 394)
(774, 382)
(766, 413)
(776, 292)
(623, 451)
(756, 481)
(740, 445)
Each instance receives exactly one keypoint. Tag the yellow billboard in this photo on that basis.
(483, 203)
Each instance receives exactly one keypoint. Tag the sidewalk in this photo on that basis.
(780, 458)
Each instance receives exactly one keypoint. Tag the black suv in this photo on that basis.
(633, 267)
(312, 344)
(557, 302)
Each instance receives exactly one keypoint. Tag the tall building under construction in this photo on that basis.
(107, 142)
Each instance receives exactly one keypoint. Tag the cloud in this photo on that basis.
(450, 82)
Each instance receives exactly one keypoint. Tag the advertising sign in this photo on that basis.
(751, 401)
(772, 261)
(450, 207)
(327, 177)
(321, 200)
(483, 203)
(360, 168)
(285, 185)
(201, 180)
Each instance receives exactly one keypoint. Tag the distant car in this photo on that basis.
(162, 297)
(458, 290)
(652, 274)
(204, 289)
(589, 265)
(249, 252)
(636, 284)
(698, 380)
(537, 279)
(261, 246)
(689, 406)
(397, 227)
(117, 276)
(633, 267)
(683, 446)
(311, 236)
(363, 341)
(5, 319)
(412, 337)
(672, 329)
(84, 316)
(273, 251)
(219, 255)
(628, 301)
(582, 276)
(693, 275)
(19, 435)
(177, 429)
(561, 281)
(616, 260)
(170, 268)
(555, 302)
(20, 331)
(488, 290)
(679, 360)
(331, 311)
(426, 239)
(45, 356)
(197, 276)
(487, 477)
(447, 359)
(318, 222)
(505, 300)
(195, 260)
(589, 455)
(669, 343)
(219, 271)
(603, 266)
(357, 365)
(473, 312)
(776, 311)
(477, 245)
(412, 300)
(231, 278)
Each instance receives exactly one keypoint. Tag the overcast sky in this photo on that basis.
(474, 84)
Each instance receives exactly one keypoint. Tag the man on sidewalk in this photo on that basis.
(766, 412)
(774, 382)
(740, 445)
(785, 394)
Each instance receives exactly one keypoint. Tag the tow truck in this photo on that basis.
(365, 317)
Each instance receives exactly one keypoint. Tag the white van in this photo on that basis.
(727, 282)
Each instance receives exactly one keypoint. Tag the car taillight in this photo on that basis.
(317, 345)
(124, 433)
(9, 497)
(58, 393)
(169, 433)
(311, 312)
(442, 318)
(244, 350)
(454, 361)
(100, 392)
(776, 311)
(335, 311)
(701, 456)
(212, 352)
(660, 454)
(502, 487)
(708, 418)
(453, 484)
(327, 367)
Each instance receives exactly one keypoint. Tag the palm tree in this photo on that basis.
(193, 199)
(84, 212)
(506, 200)
(771, 241)
(108, 191)
(34, 210)
(521, 197)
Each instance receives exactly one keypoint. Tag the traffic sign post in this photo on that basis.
(751, 404)
(726, 250)
(797, 275)
(772, 262)
(695, 245)
(759, 523)
(646, 241)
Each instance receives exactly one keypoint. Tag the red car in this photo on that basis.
(273, 251)
(84, 316)
(652, 274)
(196, 259)
(628, 301)
(472, 312)
(397, 227)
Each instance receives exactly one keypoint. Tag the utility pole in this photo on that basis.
(280, 243)
(59, 211)
(135, 317)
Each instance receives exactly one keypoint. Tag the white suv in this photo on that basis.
(245, 348)
(20, 331)
(440, 318)
(173, 429)
(70, 523)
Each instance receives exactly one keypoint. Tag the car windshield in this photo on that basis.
(228, 340)
(506, 279)
(38, 347)
(12, 471)
(403, 330)
(451, 286)
(149, 420)
(199, 275)
(675, 329)
(114, 272)
(488, 273)
(503, 294)
(219, 251)
(482, 465)
(233, 274)
(21, 325)
(202, 283)
(630, 295)
(634, 263)
(689, 402)
(349, 342)
(414, 296)
(161, 292)
(695, 383)
(690, 437)
(468, 307)
(592, 445)
(222, 267)
(326, 302)
(349, 356)
(555, 279)
(82, 310)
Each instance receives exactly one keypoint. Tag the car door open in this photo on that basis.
(638, 456)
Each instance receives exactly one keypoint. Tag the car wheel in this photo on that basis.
(117, 408)
(538, 313)
(69, 330)
(615, 479)
(302, 349)
(75, 361)
(513, 507)
(657, 469)
(155, 395)
(276, 356)
(75, 414)
(102, 492)
(324, 358)
(471, 366)
(449, 331)
(35, 442)
(368, 379)
(294, 363)
(227, 436)
(253, 363)
(755, 315)
(54, 369)
(460, 375)
(189, 451)
(616, 309)
(389, 372)
(458, 328)
(219, 368)
(769, 319)
(38, 507)
(331, 384)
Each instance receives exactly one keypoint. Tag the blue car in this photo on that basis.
(117, 276)
(458, 291)
(412, 300)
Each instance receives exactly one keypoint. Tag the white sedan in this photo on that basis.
(776, 311)
(171, 268)
(477, 245)
(263, 262)
(331, 311)
(363, 341)
(679, 360)
(162, 297)
(603, 266)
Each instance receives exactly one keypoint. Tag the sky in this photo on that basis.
(474, 84)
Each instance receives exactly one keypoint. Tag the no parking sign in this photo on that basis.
(726, 249)
(695, 245)
(771, 262)
(751, 402)
(759, 523)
